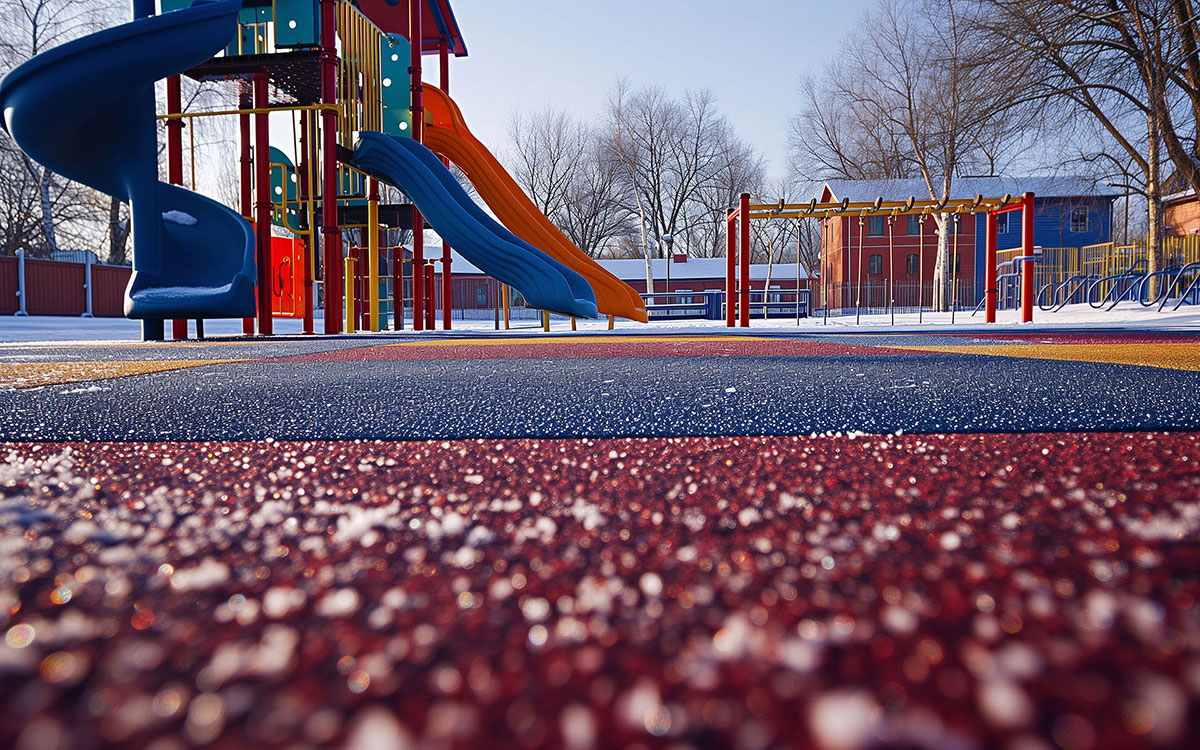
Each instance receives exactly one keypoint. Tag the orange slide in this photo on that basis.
(447, 134)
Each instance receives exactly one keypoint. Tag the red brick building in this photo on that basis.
(862, 257)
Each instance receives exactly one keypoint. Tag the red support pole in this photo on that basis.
(989, 268)
(415, 38)
(175, 164)
(306, 256)
(329, 183)
(744, 241)
(429, 309)
(262, 204)
(246, 202)
(730, 267)
(397, 288)
(447, 286)
(1027, 267)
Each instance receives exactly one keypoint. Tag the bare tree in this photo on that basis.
(27, 28)
(743, 172)
(576, 182)
(1131, 70)
(683, 167)
(905, 100)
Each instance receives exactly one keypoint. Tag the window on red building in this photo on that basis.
(912, 264)
(875, 226)
(914, 225)
(875, 264)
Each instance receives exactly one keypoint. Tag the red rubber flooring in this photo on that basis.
(971, 591)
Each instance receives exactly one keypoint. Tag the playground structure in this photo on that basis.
(337, 69)
(1021, 267)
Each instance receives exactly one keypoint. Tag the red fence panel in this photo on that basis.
(9, 303)
(108, 290)
(54, 288)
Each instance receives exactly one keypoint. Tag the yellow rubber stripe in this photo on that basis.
(1174, 356)
(581, 340)
(37, 374)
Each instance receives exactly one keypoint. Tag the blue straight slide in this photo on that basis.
(85, 110)
(413, 168)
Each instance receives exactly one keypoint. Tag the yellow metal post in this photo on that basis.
(349, 301)
(373, 259)
(504, 292)
(612, 319)
(545, 321)
(573, 323)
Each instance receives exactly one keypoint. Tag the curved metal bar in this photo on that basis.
(1175, 284)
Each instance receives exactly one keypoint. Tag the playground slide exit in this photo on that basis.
(446, 132)
(85, 110)
(414, 169)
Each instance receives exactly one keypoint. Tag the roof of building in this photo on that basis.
(1060, 186)
(437, 22)
(634, 269)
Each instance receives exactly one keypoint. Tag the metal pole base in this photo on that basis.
(152, 330)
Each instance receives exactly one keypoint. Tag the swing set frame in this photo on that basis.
(737, 226)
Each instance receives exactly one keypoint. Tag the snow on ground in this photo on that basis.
(91, 330)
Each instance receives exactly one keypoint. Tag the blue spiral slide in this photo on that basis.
(85, 110)
(413, 168)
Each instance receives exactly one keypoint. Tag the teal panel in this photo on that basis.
(166, 6)
(285, 193)
(394, 57)
(297, 23)
(247, 18)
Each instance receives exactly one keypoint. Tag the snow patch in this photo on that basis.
(180, 217)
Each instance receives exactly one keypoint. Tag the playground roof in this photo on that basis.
(1065, 186)
(437, 21)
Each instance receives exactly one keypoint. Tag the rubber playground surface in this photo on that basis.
(681, 541)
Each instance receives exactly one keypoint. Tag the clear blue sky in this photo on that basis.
(567, 53)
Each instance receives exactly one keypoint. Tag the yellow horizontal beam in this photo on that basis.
(862, 208)
(248, 111)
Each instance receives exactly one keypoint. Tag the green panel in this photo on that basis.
(166, 6)
(297, 23)
(397, 119)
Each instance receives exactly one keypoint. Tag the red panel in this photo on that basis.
(108, 290)
(393, 19)
(8, 286)
(54, 288)
(287, 278)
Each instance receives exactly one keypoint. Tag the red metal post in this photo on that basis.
(744, 241)
(397, 289)
(329, 183)
(302, 183)
(730, 267)
(175, 164)
(246, 203)
(415, 37)
(989, 269)
(262, 204)
(447, 287)
(429, 309)
(1027, 267)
